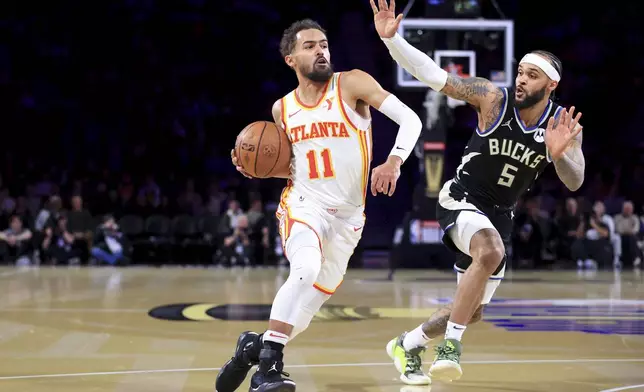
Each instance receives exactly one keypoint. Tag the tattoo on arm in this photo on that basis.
(571, 166)
(470, 90)
(488, 116)
(486, 98)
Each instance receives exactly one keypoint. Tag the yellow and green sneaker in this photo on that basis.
(408, 363)
(446, 364)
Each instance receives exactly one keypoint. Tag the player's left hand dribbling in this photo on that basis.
(385, 176)
(233, 157)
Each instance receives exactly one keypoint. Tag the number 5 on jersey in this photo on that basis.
(507, 175)
(327, 166)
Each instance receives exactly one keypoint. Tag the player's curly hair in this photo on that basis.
(287, 44)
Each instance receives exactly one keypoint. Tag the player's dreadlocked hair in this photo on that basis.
(287, 44)
(553, 60)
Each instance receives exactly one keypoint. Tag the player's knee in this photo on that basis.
(488, 250)
(304, 255)
(478, 314)
(305, 265)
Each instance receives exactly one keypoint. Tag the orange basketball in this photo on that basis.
(263, 150)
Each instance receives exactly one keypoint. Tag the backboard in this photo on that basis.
(468, 47)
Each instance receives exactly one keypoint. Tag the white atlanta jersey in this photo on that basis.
(331, 146)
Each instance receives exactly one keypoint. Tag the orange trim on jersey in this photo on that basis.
(326, 290)
(285, 193)
(283, 101)
(288, 225)
(284, 212)
(364, 152)
(342, 109)
(308, 107)
(370, 150)
(362, 139)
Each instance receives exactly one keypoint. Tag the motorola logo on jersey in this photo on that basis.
(539, 135)
(515, 150)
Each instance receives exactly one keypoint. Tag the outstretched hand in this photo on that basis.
(560, 132)
(385, 19)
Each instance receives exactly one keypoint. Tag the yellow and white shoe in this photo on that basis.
(408, 363)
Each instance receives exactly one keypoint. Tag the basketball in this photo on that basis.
(263, 150)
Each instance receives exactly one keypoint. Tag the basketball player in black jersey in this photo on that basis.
(520, 131)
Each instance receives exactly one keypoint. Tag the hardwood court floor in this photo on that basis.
(107, 330)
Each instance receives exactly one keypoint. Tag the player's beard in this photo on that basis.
(530, 99)
(320, 73)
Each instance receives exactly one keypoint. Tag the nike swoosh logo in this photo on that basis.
(293, 114)
(460, 329)
(357, 228)
(399, 148)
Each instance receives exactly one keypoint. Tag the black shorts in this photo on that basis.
(451, 202)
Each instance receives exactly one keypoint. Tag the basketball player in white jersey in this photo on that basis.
(321, 212)
(520, 132)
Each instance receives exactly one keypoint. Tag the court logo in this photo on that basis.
(610, 317)
(256, 312)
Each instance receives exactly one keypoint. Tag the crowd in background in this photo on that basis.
(134, 107)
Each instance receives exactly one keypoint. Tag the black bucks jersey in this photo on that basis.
(501, 163)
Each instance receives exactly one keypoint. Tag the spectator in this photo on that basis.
(49, 214)
(627, 226)
(569, 228)
(80, 225)
(16, 242)
(189, 201)
(229, 220)
(214, 200)
(238, 244)
(527, 241)
(256, 213)
(109, 242)
(598, 245)
(58, 243)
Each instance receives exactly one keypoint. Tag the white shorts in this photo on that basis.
(338, 231)
(467, 224)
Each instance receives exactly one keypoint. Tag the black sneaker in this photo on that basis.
(234, 372)
(268, 377)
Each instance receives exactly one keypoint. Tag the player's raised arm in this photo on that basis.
(358, 85)
(479, 92)
(563, 138)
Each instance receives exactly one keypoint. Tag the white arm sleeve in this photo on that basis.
(410, 126)
(416, 62)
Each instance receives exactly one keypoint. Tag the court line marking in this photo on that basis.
(331, 365)
(624, 388)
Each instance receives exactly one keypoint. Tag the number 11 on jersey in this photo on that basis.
(328, 171)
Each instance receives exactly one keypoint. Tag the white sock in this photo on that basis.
(454, 331)
(415, 338)
(276, 337)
